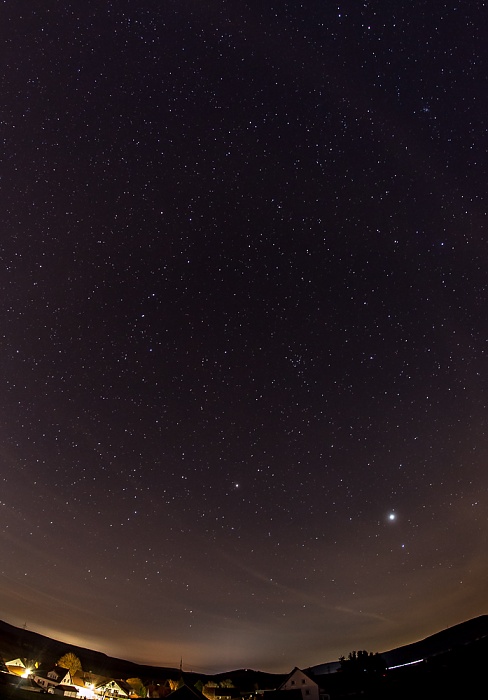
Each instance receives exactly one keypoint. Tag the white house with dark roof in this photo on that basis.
(114, 689)
(56, 676)
(298, 680)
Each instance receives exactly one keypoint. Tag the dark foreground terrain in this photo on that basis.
(449, 665)
(459, 674)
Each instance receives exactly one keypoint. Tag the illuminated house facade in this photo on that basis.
(299, 681)
(114, 689)
(56, 676)
(17, 667)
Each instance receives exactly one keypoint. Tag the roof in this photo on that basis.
(299, 671)
(16, 662)
(87, 678)
(185, 692)
(15, 670)
(59, 670)
(123, 685)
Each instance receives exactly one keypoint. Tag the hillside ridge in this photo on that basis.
(15, 641)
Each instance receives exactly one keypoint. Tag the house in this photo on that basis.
(226, 693)
(68, 691)
(56, 676)
(114, 689)
(85, 684)
(60, 675)
(17, 667)
(303, 686)
(186, 692)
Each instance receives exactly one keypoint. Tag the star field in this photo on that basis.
(243, 361)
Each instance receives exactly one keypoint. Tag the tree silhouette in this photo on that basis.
(362, 662)
(71, 662)
(137, 686)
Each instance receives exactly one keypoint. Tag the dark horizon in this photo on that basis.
(442, 641)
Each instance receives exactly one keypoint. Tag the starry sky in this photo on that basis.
(243, 407)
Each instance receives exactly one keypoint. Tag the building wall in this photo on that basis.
(300, 681)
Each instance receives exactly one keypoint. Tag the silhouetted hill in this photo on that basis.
(449, 675)
(17, 642)
(449, 639)
(24, 643)
(452, 660)
(451, 665)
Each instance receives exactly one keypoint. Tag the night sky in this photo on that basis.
(243, 407)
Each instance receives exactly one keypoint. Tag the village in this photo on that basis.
(448, 664)
(67, 679)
